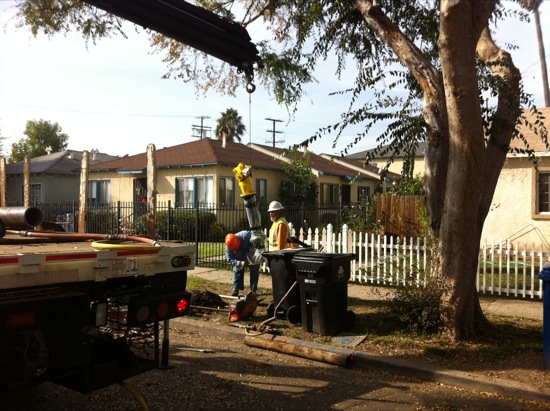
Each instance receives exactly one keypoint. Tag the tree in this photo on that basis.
(427, 70)
(533, 5)
(42, 136)
(301, 188)
(231, 125)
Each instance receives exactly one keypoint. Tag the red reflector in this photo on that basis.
(20, 320)
(182, 305)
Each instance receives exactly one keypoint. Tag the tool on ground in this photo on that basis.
(206, 350)
(242, 309)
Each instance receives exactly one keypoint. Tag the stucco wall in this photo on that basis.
(510, 216)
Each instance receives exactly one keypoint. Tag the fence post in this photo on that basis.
(197, 233)
(118, 217)
(168, 219)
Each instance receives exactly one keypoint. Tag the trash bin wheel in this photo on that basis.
(349, 321)
(294, 314)
(270, 310)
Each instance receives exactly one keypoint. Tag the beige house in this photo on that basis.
(202, 171)
(521, 203)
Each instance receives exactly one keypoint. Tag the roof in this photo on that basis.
(62, 162)
(531, 134)
(385, 152)
(197, 153)
(326, 166)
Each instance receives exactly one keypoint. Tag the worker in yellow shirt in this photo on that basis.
(279, 231)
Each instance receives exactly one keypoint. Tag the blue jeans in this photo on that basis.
(238, 277)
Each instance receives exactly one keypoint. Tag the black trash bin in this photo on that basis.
(323, 280)
(283, 276)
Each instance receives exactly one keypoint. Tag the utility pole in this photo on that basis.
(200, 131)
(273, 131)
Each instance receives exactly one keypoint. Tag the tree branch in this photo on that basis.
(434, 107)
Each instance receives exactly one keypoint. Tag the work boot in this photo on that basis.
(235, 293)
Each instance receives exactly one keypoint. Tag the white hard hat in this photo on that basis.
(275, 206)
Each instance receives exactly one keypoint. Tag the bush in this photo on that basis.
(101, 222)
(183, 224)
(421, 307)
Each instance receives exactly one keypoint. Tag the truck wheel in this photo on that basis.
(294, 314)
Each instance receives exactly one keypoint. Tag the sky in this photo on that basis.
(111, 96)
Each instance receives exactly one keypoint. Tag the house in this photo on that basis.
(340, 180)
(521, 204)
(383, 155)
(202, 171)
(54, 177)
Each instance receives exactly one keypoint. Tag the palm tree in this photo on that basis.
(231, 125)
(533, 5)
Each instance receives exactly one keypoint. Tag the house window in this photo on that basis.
(190, 190)
(36, 193)
(329, 193)
(543, 188)
(261, 189)
(99, 191)
(226, 194)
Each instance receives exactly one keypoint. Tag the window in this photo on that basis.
(36, 193)
(226, 194)
(329, 193)
(99, 191)
(543, 188)
(261, 189)
(190, 190)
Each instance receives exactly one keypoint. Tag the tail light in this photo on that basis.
(145, 310)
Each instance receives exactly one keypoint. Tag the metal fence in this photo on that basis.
(504, 269)
(204, 225)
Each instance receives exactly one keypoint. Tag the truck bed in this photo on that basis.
(28, 262)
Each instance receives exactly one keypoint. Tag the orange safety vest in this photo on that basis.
(274, 234)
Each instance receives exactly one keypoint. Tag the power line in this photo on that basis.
(202, 130)
(273, 131)
(102, 113)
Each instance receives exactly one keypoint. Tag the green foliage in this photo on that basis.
(302, 187)
(361, 217)
(409, 186)
(182, 225)
(41, 136)
(230, 124)
(421, 307)
(101, 221)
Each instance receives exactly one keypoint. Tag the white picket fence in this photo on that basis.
(505, 268)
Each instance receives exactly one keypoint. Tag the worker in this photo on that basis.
(279, 231)
(237, 248)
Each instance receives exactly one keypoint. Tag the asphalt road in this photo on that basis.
(234, 376)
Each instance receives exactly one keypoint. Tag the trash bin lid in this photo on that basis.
(315, 255)
(545, 272)
(286, 253)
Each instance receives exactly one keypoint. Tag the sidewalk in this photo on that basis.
(360, 359)
(523, 308)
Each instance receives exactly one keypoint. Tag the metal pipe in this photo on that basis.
(20, 217)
